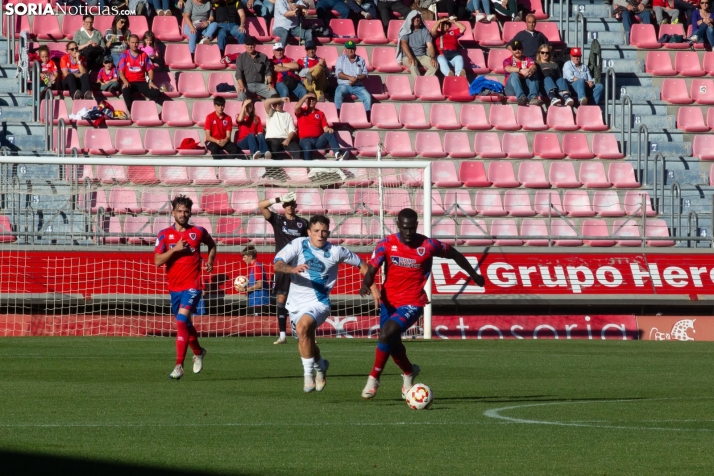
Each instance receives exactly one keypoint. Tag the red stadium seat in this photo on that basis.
(475, 233)
(488, 34)
(46, 27)
(596, 228)
(501, 175)
(633, 203)
(589, 118)
(385, 116)
(676, 29)
(215, 202)
(710, 118)
(135, 226)
(674, 91)
(413, 117)
(501, 229)
(535, 6)
(233, 176)
(393, 30)
(562, 175)
(622, 175)
(702, 91)
(511, 29)
(142, 174)
(168, 80)
(518, 203)
(374, 86)
(456, 88)
(398, 144)
(592, 175)
(328, 108)
(445, 230)
(690, 119)
(201, 109)
(371, 32)
(496, 59)
(155, 201)
(310, 201)
(399, 88)
(158, 142)
(236, 49)
(502, 118)
(79, 104)
(457, 145)
(71, 140)
(112, 228)
(606, 203)
(473, 117)
(605, 146)
(166, 28)
(565, 228)
(531, 118)
(70, 25)
(561, 119)
(145, 114)
(58, 110)
(657, 228)
(257, 28)
(137, 24)
(337, 202)
(575, 146)
(488, 145)
(384, 60)
(643, 36)
(182, 134)
(208, 57)
(220, 78)
(354, 115)
(545, 197)
(708, 63)
(515, 146)
(577, 203)
(458, 202)
(171, 175)
(111, 174)
(443, 174)
(437, 204)
(488, 203)
(687, 63)
(659, 63)
(175, 114)
(475, 61)
(534, 227)
(532, 175)
(367, 142)
(473, 174)
(192, 85)
(255, 228)
(353, 231)
(547, 146)
(231, 226)
(245, 200)
(703, 147)
(127, 141)
(123, 200)
(552, 32)
(428, 144)
(178, 56)
(104, 23)
(203, 176)
(362, 53)
(343, 31)
(98, 142)
(443, 116)
(427, 88)
(395, 200)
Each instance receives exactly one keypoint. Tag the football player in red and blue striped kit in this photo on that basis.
(178, 247)
(407, 257)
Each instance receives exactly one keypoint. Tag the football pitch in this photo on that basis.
(106, 406)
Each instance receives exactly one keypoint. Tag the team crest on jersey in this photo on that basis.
(171, 237)
(421, 250)
(299, 224)
(192, 236)
(394, 247)
(225, 122)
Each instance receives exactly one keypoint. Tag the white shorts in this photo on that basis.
(320, 312)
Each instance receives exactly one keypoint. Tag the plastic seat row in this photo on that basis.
(686, 63)
(644, 36)
(675, 91)
(691, 119)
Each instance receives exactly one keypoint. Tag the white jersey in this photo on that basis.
(315, 284)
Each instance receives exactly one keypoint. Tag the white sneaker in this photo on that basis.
(206, 41)
(321, 376)
(479, 17)
(370, 390)
(198, 361)
(490, 17)
(281, 340)
(268, 156)
(409, 380)
(309, 385)
(583, 101)
(556, 101)
(694, 39)
(257, 155)
(177, 373)
(569, 102)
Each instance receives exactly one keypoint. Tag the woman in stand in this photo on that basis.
(197, 16)
(551, 80)
(703, 24)
(250, 132)
(75, 73)
(117, 37)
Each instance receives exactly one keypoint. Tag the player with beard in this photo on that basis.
(286, 229)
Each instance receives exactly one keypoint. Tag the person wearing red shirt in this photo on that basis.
(134, 65)
(286, 80)
(314, 70)
(250, 132)
(521, 74)
(313, 131)
(179, 248)
(407, 257)
(49, 74)
(74, 73)
(446, 42)
(218, 128)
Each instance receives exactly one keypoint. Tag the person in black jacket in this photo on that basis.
(230, 20)
(556, 88)
(531, 38)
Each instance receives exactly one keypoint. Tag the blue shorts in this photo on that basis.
(190, 299)
(405, 316)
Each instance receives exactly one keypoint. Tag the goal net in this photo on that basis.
(77, 237)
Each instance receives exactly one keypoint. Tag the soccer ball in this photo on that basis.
(420, 397)
(240, 283)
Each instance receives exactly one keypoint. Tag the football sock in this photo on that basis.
(320, 364)
(282, 319)
(380, 359)
(181, 341)
(193, 340)
(308, 365)
(399, 355)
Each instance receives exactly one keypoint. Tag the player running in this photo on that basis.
(286, 229)
(178, 247)
(312, 265)
(407, 258)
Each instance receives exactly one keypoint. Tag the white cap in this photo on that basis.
(278, 46)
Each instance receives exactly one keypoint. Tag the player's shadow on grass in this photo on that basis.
(29, 464)
(525, 398)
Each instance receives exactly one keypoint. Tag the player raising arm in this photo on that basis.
(407, 258)
(312, 265)
(178, 247)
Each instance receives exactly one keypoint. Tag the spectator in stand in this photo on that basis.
(261, 8)
(75, 74)
(530, 38)
(90, 42)
(416, 46)
(313, 131)
(632, 9)
(363, 8)
(162, 7)
(49, 73)
(197, 18)
(454, 9)
(230, 20)
(703, 24)
(258, 284)
(280, 133)
(477, 6)
(117, 37)
(314, 70)
(688, 7)
(218, 128)
(325, 7)
(446, 41)
(134, 66)
(351, 70)
(150, 47)
(579, 79)
(107, 77)
(386, 7)
(254, 72)
(508, 9)
(287, 21)
(250, 132)
(286, 79)
(521, 75)
(556, 88)
(662, 8)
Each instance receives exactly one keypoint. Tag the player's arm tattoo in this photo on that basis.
(461, 260)
(282, 267)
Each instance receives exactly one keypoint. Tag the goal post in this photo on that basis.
(77, 236)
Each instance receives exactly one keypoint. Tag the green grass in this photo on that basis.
(106, 406)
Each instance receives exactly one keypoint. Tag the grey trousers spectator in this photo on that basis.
(302, 33)
(259, 89)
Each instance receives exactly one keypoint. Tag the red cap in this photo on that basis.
(575, 52)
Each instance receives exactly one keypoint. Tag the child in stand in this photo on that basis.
(107, 77)
(149, 47)
(48, 69)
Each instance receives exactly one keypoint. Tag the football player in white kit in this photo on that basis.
(312, 264)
